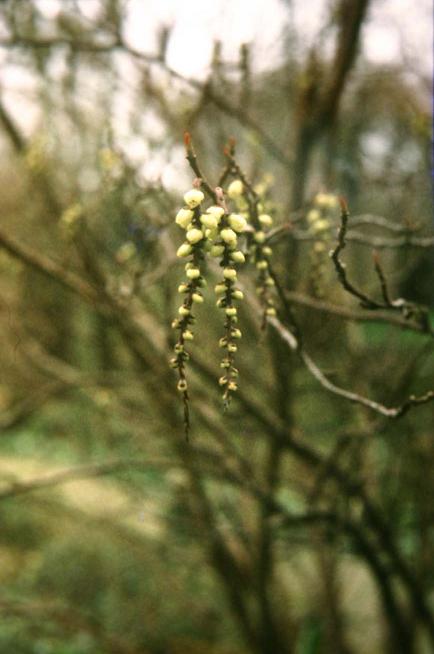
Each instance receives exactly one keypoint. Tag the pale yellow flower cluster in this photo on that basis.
(261, 253)
(320, 223)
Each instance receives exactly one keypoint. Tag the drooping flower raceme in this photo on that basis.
(214, 232)
(227, 293)
(188, 219)
(319, 219)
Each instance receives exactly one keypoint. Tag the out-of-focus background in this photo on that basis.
(296, 521)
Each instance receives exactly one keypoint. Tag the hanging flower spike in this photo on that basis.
(320, 226)
(261, 253)
(230, 226)
(188, 218)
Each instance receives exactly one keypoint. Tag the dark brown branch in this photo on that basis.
(407, 309)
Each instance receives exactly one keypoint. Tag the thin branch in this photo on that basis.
(406, 308)
(388, 412)
(352, 314)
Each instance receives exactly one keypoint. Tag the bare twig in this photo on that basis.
(406, 308)
(388, 412)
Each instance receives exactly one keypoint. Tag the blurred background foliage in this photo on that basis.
(295, 522)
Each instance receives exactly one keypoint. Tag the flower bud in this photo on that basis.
(321, 225)
(267, 251)
(184, 250)
(238, 256)
(271, 311)
(187, 335)
(313, 215)
(231, 311)
(236, 333)
(211, 234)
(182, 288)
(220, 289)
(228, 236)
(223, 381)
(194, 235)
(182, 385)
(262, 265)
(237, 294)
(193, 273)
(232, 386)
(184, 311)
(196, 297)
(209, 221)
(259, 237)
(265, 220)
(237, 222)
(230, 273)
(183, 218)
(217, 212)
(235, 189)
(232, 347)
(193, 198)
(217, 250)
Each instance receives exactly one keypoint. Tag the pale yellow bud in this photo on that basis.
(267, 251)
(217, 250)
(313, 216)
(183, 218)
(231, 311)
(182, 385)
(184, 250)
(194, 235)
(184, 311)
(230, 273)
(236, 333)
(262, 265)
(237, 222)
(265, 220)
(228, 236)
(271, 311)
(217, 212)
(211, 234)
(238, 256)
(321, 200)
(321, 225)
(259, 237)
(209, 221)
(235, 189)
(182, 288)
(196, 297)
(193, 198)
(187, 335)
(238, 295)
(220, 289)
(193, 273)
